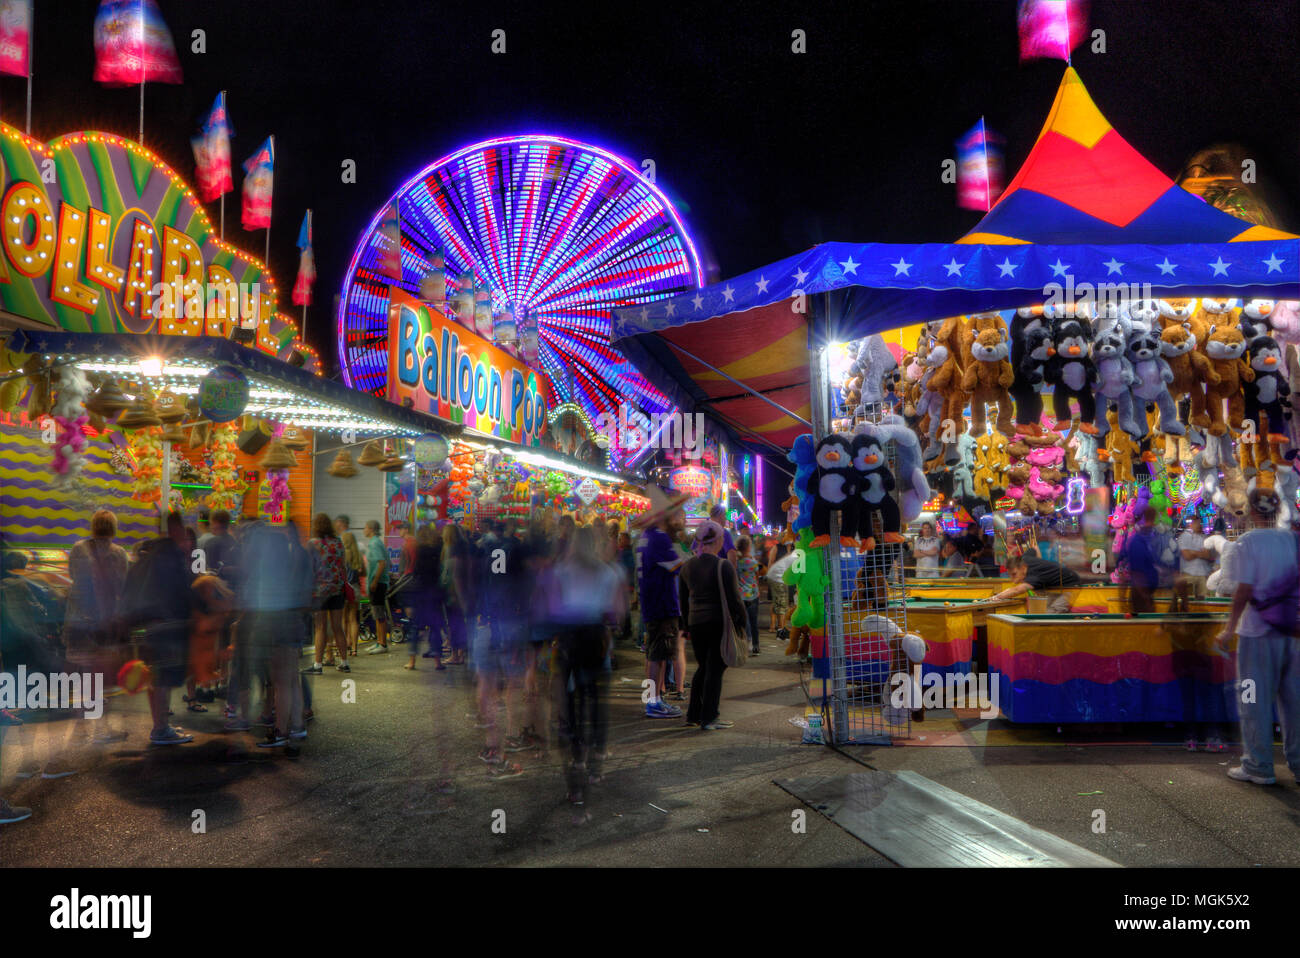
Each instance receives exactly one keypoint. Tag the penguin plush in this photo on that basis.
(1071, 372)
(874, 484)
(833, 488)
(1266, 394)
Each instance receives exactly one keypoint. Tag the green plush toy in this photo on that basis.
(1159, 500)
(811, 583)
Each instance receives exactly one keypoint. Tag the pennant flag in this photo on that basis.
(1051, 28)
(391, 229)
(133, 44)
(259, 176)
(979, 168)
(15, 22)
(306, 265)
(212, 153)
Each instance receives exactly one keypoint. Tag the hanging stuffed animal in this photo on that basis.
(932, 403)
(1115, 380)
(914, 491)
(874, 362)
(833, 489)
(962, 479)
(988, 377)
(947, 382)
(1119, 452)
(1071, 373)
(873, 483)
(803, 455)
(1038, 351)
(1153, 376)
(1255, 319)
(1192, 371)
(1224, 348)
(71, 418)
(1266, 402)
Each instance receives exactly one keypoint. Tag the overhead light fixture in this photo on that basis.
(151, 366)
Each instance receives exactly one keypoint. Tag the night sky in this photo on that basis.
(766, 152)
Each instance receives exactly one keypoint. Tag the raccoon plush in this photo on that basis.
(1115, 380)
(1071, 372)
(1153, 378)
(1224, 348)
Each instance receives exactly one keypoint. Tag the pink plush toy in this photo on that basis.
(1046, 456)
(1285, 320)
(280, 494)
(1040, 490)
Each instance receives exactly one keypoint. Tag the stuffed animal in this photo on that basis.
(803, 455)
(1213, 312)
(962, 476)
(1184, 311)
(1192, 371)
(930, 408)
(1086, 455)
(810, 580)
(1266, 401)
(1285, 322)
(1045, 493)
(914, 491)
(1288, 484)
(873, 483)
(833, 485)
(1119, 452)
(1115, 380)
(875, 361)
(1254, 319)
(1153, 377)
(1072, 373)
(1224, 349)
(991, 463)
(1145, 312)
(988, 377)
(1031, 348)
(947, 381)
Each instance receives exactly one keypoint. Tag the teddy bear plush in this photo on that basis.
(1185, 311)
(947, 381)
(1211, 311)
(1224, 347)
(1119, 452)
(1191, 369)
(987, 378)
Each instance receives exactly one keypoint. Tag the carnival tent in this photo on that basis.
(1085, 207)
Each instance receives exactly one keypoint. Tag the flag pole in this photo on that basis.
(142, 74)
(223, 217)
(31, 27)
(269, 205)
(984, 142)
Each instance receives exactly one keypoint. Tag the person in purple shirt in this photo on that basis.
(1141, 550)
(718, 514)
(660, 609)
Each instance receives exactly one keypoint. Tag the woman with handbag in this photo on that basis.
(714, 622)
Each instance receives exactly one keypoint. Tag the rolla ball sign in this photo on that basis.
(449, 372)
(101, 236)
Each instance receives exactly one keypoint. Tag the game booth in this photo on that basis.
(143, 363)
(1103, 341)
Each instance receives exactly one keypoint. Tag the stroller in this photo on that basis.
(399, 623)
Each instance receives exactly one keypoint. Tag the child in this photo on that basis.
(747, 573)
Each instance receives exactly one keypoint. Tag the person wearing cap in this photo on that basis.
(660, 608)
(705, 599)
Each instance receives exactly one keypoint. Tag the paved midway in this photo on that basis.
(361, 793)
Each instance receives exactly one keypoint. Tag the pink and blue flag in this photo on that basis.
(1051, 28)
(133, 44)
(390, 227)
(259, 178)
(212, 153)
(979, 168)
(306, 265)
(15, 28)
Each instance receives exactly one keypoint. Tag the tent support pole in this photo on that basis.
(737, 382)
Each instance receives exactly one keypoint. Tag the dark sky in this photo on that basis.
(766, 151)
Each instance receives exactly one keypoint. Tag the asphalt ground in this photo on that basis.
(362, 791)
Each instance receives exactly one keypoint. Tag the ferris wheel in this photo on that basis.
(561, 232)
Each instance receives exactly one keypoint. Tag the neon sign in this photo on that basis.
(447, 371)
(101, 236)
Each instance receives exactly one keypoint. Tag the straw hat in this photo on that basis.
(661, 504)
(392, 463)
(372, 455)
(278, 456)
(107, 400)
(174, 434)
(342, 467)
(295, 437)
(139, 415)
(200, 435)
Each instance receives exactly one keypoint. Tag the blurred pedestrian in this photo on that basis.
(705, 598)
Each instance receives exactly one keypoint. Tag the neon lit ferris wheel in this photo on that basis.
(562, 232)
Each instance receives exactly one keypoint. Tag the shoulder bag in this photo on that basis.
(735, 646)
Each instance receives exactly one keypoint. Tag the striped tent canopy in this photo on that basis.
(1084, 208)
(1083, 183)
